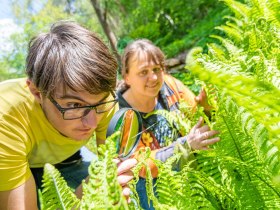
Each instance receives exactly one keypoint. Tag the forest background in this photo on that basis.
(232, 45)
(175, 26)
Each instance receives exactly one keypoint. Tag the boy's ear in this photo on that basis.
(34, 90)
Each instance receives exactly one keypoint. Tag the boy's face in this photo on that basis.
(78, 129)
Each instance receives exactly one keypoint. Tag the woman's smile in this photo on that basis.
(154, 85)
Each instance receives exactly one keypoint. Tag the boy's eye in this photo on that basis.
(74, 105)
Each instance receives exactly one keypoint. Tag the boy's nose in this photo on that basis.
(90, 120)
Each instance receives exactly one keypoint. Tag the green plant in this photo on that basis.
(239, 172)
(102, 190)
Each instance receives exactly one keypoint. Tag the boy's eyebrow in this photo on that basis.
(69, 96)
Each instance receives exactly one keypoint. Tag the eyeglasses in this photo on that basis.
(79, 112)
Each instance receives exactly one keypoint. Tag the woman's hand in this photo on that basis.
(200, 136)
(202, 100)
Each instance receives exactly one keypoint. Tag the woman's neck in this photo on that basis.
(143, 104)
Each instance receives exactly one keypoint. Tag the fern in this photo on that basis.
(239, 172)
(56, 193)
(175, 120)
(103, 190)
(240, 10)
(245, 72)
(256, 96)
(262, 184)
(168, 182)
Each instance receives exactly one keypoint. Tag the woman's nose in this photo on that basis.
(153, 75)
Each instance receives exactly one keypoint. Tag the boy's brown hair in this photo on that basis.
(73, 57)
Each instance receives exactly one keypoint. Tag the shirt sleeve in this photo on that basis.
(104, 123)
(14, 147)
(163, 154)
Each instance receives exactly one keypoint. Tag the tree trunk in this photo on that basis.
(103, 21)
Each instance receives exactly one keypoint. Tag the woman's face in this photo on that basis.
(144, 78)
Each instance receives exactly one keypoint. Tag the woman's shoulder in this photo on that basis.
(121, 100)
(172, 81)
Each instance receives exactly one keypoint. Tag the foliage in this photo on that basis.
(239, 171)
(166, 23)
(33, 20)
(56, 193)
(198, 35)
(102, 191)
(175, 17)
(245, 71)
(189, 80)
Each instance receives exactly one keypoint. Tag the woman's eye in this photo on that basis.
(156, 70)
(143, 73)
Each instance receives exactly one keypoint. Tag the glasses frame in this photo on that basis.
(91, 107)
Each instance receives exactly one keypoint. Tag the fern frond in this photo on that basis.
(240, 10)
(274, 16)
(216, 52)
(175, 120)
(259, 9)
(56, 193)
(232, 32)
(103, 190)
(246, 91)
(231, 49)
(169, 182)
(253, 186)
(206, 192)
(261, 181)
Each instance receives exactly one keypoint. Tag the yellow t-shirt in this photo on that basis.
(27, 139)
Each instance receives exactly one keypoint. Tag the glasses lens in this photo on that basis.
(105, 107)
(76, 113)
(71, 114)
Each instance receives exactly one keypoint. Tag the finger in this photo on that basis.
(208, 142)
(202, 95)
(116, 160)
(204, 129)
(123, 179)
(212, 133)
(126, 191)
(202, 92)
(197, 99)
(207, 135)
(126, 165)
(198, 124)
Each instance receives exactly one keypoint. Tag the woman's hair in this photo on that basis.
(139, 49)
(73, 57)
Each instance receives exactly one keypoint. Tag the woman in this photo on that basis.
(146, 88)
